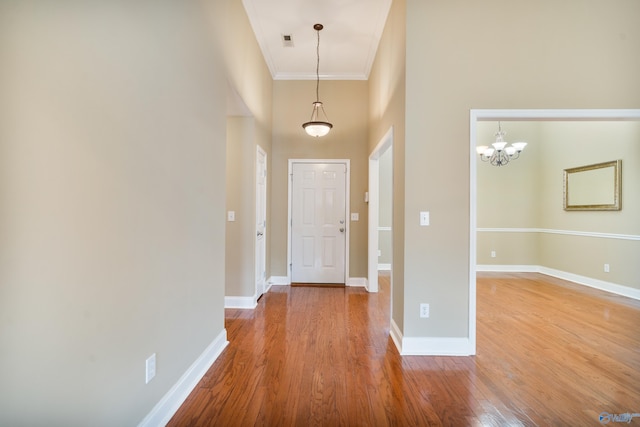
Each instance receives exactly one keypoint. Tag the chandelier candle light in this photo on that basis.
(316, 126)
(500, 154)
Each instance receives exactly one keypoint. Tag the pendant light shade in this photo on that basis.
(318, 125)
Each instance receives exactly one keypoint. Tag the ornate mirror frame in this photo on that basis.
(596, 187)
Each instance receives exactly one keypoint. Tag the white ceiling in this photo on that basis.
(348, 42)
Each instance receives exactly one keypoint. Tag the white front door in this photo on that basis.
(261, 221)
(318, 222)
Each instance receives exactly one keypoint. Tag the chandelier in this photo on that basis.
(316, 126)
(499, 154)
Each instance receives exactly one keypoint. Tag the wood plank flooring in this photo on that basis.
(548, 353)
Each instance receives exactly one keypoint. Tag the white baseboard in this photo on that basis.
(175, 397)
(429, 346)
(384, 267)
(509, 268)
(240, 302)
(436, 346)
(614, 288)
(396, 335)
(357, 281)
(279, 281)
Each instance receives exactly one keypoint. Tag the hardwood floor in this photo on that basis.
(548, 353)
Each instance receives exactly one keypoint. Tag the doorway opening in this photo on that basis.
(382, 150)
(514, 115)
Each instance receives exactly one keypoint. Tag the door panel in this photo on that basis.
(309, 206)
(318, 227)
(328, 256)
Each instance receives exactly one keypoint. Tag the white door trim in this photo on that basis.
(374, 206)
(480, 115)
(347, 196)
(261, 282)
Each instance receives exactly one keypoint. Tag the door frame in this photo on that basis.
(347, 208)
(265, 284)
(386, 143)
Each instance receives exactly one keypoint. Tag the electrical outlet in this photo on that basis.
(150, 368)
(424, 310)
(606, 268)
(493, 254)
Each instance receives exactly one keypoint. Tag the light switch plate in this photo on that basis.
(355, 216)
(231, 216)
(424, 218)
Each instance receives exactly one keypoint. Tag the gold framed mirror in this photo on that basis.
(595, 187)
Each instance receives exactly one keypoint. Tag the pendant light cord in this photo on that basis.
(318, 68)
(316, 126)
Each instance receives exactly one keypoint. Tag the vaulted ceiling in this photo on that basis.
(348, 42)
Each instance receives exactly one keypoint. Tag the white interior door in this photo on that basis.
(261, 221)
(318, 223)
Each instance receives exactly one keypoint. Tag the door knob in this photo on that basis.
(260, 234)
(341, 230)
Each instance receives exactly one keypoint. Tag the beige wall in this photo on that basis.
(240, 277)
(584, 143)
(112, 151)
(247, 72)
(387, 110)
(586, 256)
(346, 104)
(112, 203)
(251, 87)
(385, 245)
(507, 197)
(521, 196)
(459, 59)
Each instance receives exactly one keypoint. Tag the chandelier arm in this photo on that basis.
(503, 158)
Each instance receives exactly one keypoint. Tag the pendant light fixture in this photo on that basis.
(500, 154)
(316, 126)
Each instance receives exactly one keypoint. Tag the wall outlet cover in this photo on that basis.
(150, 368)
(424, 310)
